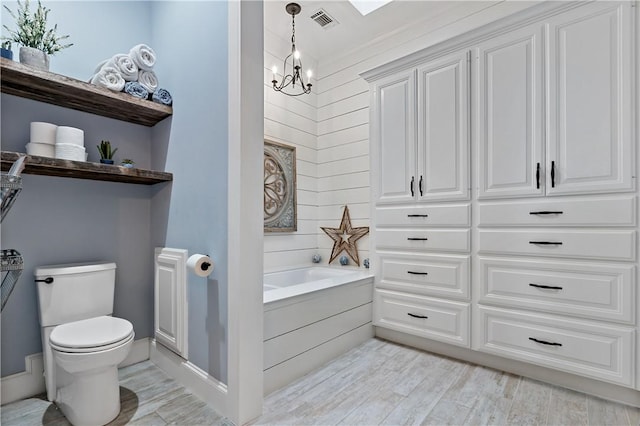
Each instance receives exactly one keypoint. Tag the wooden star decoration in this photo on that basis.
(345, 237)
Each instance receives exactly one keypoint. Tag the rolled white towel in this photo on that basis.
(148, 80)
(143, 56)
(125, 65)
(110, 78)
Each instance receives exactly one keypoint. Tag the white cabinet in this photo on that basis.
(510, 76)
(393, 138)
(420, 133)
(580, 140)
(443, 129)
(589, 109)
(536, 259)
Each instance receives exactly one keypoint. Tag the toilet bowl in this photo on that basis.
(86, 354)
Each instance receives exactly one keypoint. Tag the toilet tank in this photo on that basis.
(78, 291)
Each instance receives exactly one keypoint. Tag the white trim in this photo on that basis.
(198, 381)
(245, 221)
(597, 388)
(31, 381)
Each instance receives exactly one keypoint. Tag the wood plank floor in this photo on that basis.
(382, 383)
(378, 382)
(147, 397)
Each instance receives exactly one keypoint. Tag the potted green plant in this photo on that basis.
(35, 40)
(5, 50)
(128, 163)
(106, 153)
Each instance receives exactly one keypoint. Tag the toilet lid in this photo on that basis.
(91, 333)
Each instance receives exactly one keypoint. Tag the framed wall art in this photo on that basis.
(280, 207)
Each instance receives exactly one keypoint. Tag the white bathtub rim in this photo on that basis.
(295, 294)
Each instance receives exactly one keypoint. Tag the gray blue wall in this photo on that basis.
(57, 220)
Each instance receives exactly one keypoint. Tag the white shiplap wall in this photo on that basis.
(292, 121)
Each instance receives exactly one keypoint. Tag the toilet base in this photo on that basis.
(91, 398)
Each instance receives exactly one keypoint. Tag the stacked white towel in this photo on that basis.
(110, 78)
(143, 56)
(136, 66)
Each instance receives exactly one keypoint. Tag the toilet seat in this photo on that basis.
(91, 335)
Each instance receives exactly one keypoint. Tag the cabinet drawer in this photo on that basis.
(583, 347)
(428, 215)
(433, 275)
(596, 211)
(435, 319)
(457, 240)
(618, 245)
(590, 290)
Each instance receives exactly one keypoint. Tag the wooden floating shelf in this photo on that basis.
(31, 83)
(46, 166)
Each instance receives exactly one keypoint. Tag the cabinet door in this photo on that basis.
(509, 121)
(590, 84)
(443, 132)
(393, 167)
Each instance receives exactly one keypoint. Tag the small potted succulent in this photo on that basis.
(128, 163)
(106, 153)
(5, 50)
(36, 41)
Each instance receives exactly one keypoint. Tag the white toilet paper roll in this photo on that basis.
(70, 135)
(42, 132)
(200, 264)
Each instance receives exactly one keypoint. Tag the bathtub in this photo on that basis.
(312, 315)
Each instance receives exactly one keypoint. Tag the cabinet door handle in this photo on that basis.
(547, 243)
(417, 316)
(417, 273)
(417, 215)
(538, 175)
(549, 287)
(420, 185)
(420, 239)
(553, 174)
(412, 192)
(542, 212)
(544, 342)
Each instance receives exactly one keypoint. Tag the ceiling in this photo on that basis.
(354, 30)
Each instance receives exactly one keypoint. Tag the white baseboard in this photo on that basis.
(31, 381)
(198, 381)
(22, 385)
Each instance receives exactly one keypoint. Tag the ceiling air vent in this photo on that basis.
(323, 19)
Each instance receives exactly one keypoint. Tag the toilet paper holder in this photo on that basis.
(200, 264)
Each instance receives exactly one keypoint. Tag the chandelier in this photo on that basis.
(293, 62)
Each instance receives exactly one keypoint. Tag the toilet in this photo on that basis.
(82, 343)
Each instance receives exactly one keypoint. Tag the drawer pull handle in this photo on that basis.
(546, 212)
(417, 316)
(544, 342)
(549, 287)
(412, 192)
(547, 243)
(417, 273)
(419, 239)
(417, 215)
